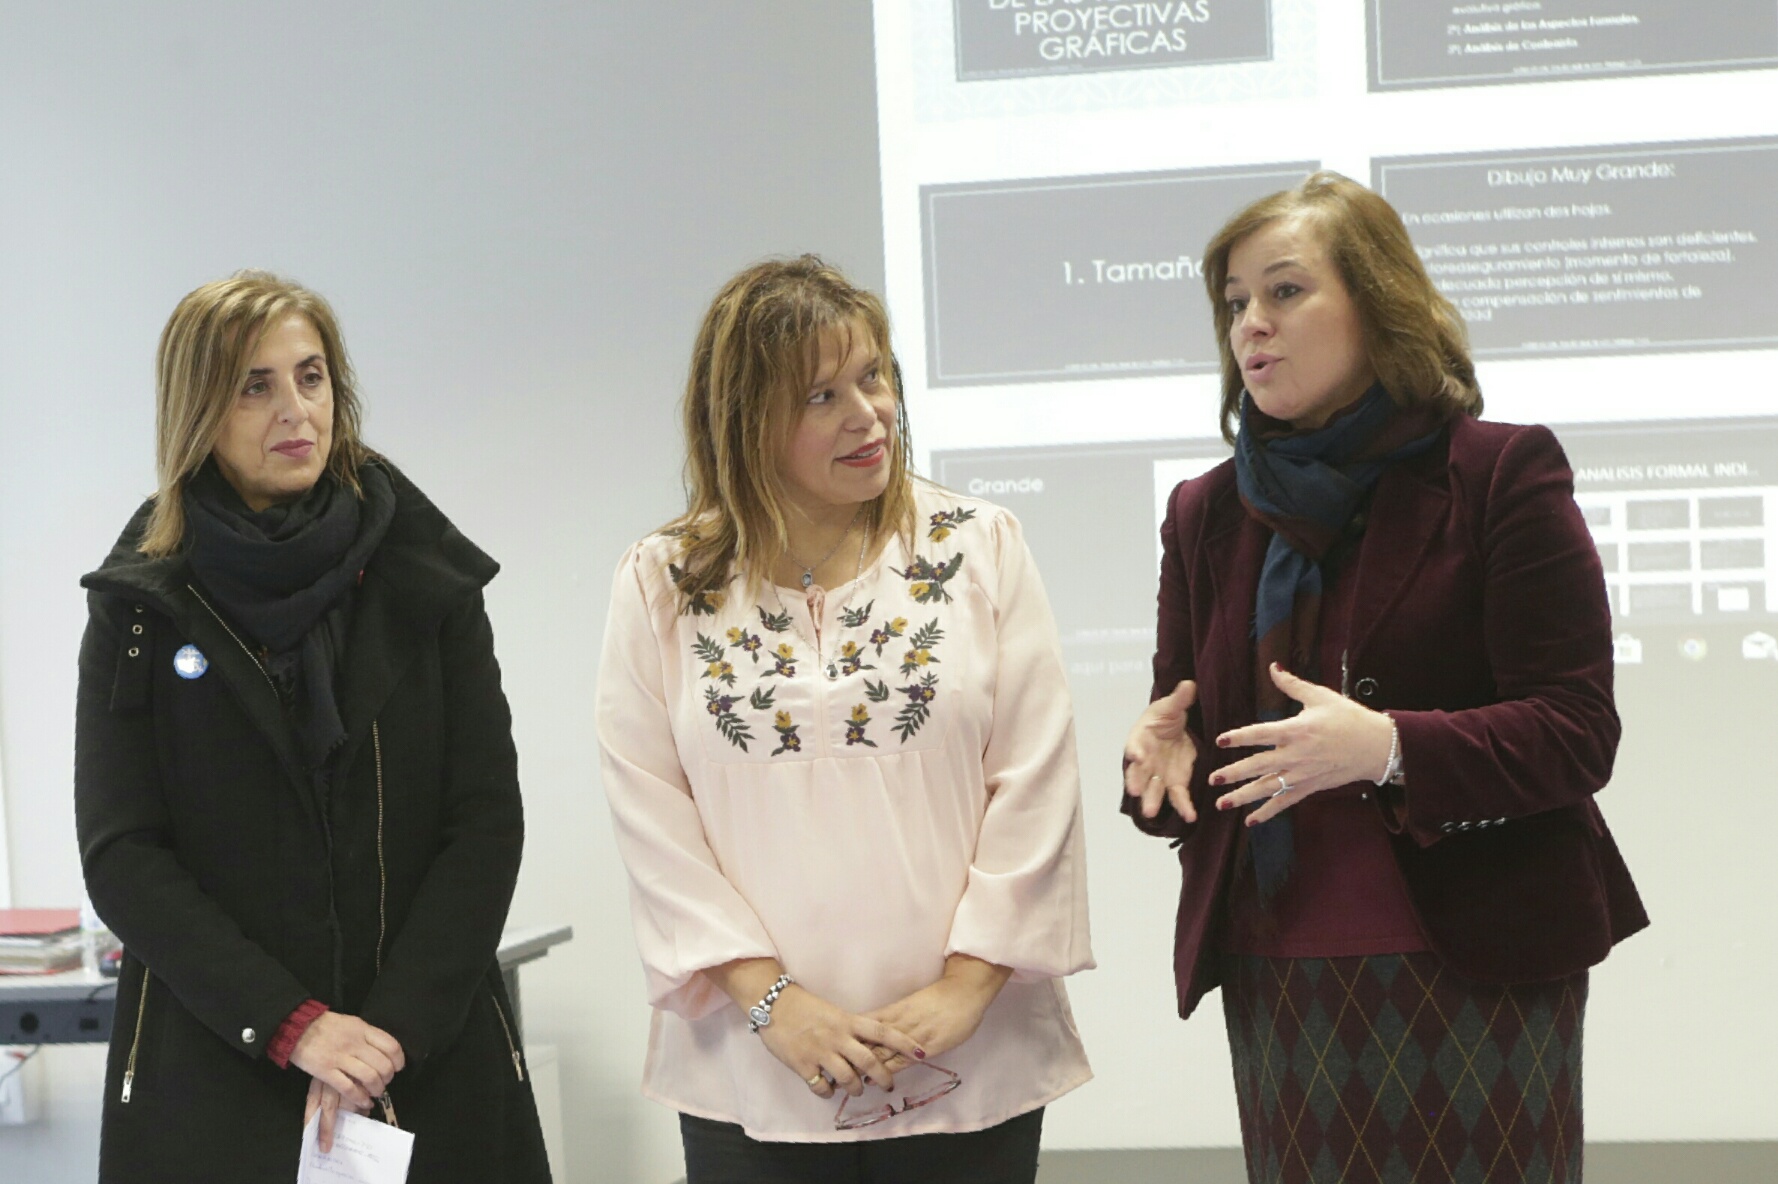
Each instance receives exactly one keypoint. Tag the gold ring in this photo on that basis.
(816, 1081)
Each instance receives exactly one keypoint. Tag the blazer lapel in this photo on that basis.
(1232, 555)
(228, 654)
(1407, 516)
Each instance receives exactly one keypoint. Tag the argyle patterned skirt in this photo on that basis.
(1390, 1068)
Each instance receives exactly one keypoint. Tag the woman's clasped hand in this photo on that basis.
(827, 1046)
(349, 1063)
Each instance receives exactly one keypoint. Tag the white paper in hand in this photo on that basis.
(365, 1151)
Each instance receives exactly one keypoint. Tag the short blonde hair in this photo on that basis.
(1414, 337)
(755, 358)
(204, 354)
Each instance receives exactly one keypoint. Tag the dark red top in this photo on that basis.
(1345, 894)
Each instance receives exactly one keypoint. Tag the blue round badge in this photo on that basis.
(190, 662)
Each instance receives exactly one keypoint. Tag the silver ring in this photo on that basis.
(1154, 778)
(1283, 785)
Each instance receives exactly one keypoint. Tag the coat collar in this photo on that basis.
(423, 570)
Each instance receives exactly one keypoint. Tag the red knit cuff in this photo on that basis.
(291, 1030)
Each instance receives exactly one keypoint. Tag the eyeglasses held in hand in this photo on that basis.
(866, 1111)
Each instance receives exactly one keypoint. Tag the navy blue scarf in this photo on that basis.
(1305, 486)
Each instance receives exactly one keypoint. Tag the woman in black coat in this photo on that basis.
(295, 781)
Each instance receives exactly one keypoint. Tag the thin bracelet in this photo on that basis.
(1392, 767)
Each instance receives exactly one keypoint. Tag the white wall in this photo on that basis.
(519, 213)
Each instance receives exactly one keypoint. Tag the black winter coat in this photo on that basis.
(238, 894)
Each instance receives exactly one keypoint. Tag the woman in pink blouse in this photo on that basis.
(839, 753)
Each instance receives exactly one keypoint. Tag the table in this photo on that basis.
(75, 1007)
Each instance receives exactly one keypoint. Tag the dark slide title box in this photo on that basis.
(1019, 38)
(1622, 249)
(1077, 277)
(1422, 43)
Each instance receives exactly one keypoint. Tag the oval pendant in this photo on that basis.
(808, 578)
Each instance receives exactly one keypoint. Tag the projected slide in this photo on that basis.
(1685, 515)
(1590, 182)
(1419, 43)
(1014, 38)
(1622, 248)
(1076, 277)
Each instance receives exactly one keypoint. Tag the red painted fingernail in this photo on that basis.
(921, 1053)
(1216, 778)
(1222, 742)
(1222, 805)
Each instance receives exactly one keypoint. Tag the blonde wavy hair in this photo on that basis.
(1414, 337)
(754, 361)
(205, 352)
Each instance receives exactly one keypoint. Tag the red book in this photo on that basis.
(38, 922)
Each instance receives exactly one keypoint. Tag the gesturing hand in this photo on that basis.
(945, 1014)
(828, 1047)
(1160, 752)
(1332, 741)
(349, 1059)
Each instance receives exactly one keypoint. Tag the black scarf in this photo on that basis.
(1305, 486)
(285, 574)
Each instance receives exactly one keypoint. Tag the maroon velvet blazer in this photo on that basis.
(1480, 623)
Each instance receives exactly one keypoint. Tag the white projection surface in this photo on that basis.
(1592, 182)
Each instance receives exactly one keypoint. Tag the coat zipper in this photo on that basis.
(376, 739)
(258, 665)
(518, 1064)
(376, 745)
(129, 1069)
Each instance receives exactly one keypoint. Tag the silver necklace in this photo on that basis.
(833, 670)
(808, 577)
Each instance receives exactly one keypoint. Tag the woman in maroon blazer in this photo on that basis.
(1389, 622)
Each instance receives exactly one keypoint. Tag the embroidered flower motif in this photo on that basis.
(788, 740)
(928, 579)
(776, 622)
(945, 521)
(747, 643)
(731, 726)
(852, 659)
(704, 604)
(888, 633)
(855, 729)
(911, 718)
(784, 661)
(921, 644)
(852, 618)
(710, 652)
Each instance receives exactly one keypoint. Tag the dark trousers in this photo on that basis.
(721, 1153)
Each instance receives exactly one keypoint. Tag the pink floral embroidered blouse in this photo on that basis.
(751, 748)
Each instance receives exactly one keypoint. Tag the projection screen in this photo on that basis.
(1591, 182)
